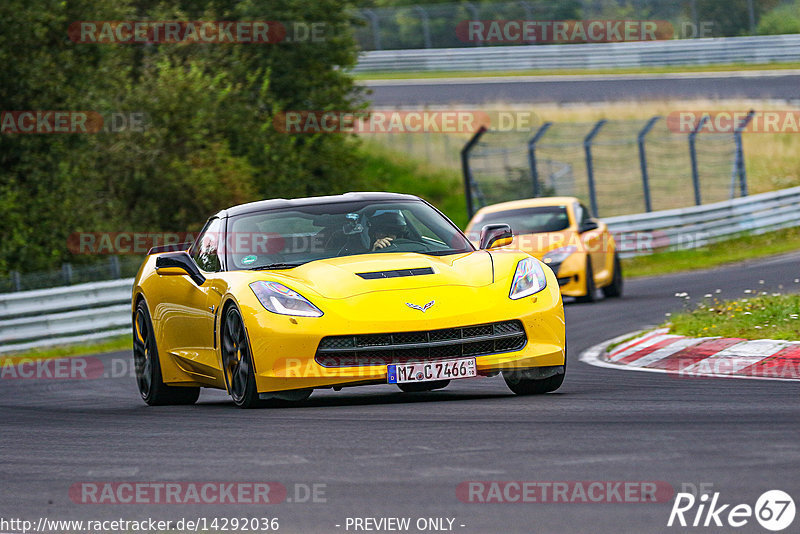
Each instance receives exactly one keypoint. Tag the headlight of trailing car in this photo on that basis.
(528, 279)
(278, 298)
(560, 254)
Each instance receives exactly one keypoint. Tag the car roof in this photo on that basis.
(278, 203)
(528, 203)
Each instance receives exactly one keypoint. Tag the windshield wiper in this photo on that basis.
(277, 266)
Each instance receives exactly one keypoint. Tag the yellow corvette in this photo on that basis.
(561, 232)
(279, 297)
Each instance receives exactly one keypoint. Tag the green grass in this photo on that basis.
(772, 316)
(573, 72)
(62, 351)
(395, 172)
(731, 251)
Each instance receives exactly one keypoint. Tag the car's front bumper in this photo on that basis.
(284, 348)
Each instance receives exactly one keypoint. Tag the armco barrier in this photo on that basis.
(62, 315)
(102, 309)
(724, 50)
(700, 225)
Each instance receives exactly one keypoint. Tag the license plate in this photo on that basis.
(402, 373)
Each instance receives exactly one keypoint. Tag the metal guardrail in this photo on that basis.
(42, 318)
(751, 50)
(63, 315)
(700, 225)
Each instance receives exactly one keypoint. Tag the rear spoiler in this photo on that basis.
(176, 247)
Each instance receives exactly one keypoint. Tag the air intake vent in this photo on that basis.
(396, 273)
(424, 345)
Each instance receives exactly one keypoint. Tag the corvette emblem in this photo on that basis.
(424, 308)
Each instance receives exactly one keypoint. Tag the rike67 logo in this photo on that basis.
(774, 510)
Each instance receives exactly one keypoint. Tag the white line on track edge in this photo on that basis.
(592, 355)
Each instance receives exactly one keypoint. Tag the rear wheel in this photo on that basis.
(148, 369)
(418, 387)
(614, 289)
(237, 362)
(591, 289)
(535, 381)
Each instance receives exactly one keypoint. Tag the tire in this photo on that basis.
(614, 290)
(237, 362)
(423, 386)
(526, 382)
(148, 368)
(591, 290)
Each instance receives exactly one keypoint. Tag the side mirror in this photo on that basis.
(177, 264)
(588, 226)
(495, 235)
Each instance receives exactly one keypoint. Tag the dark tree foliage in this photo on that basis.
(208, 139)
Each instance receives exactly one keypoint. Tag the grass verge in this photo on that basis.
(732, 67)
(734, 250)
(62, 351)
(773, 316)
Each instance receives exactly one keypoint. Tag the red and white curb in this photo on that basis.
(691, 357)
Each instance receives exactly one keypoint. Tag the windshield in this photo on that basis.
(537, 220)
(285, 238)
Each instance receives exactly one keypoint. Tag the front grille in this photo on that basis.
(401, 347)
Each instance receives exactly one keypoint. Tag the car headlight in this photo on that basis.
(560, 254)
(528, 279)
(279, 299)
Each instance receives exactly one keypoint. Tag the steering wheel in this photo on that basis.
(401, 244)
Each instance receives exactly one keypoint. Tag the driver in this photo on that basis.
(385, 228)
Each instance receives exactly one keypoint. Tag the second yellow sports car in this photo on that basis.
(277, 298)
(561, 232)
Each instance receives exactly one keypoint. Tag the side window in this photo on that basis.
(205, 250)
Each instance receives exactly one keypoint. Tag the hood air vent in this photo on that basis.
(396, 273)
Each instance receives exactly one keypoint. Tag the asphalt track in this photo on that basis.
(778, 85)
(384, 453)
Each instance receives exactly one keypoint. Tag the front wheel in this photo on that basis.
(535, 381)
(614, 289)
(148, 369)
(237, 362)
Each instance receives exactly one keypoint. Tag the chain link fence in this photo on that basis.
(617, 167)
(112, 268)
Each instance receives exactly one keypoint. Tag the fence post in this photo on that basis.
(532, 156)
(527, 8)
(66, 272)
(473, 11)
(376, 27)
(587, 148)
(643, 162)
(468, 181)
(113, 265)
(426, 28)
(693, 157)
(16, 279)
(737, 139)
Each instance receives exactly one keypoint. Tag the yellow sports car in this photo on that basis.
(279, 297)
(561, 232)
